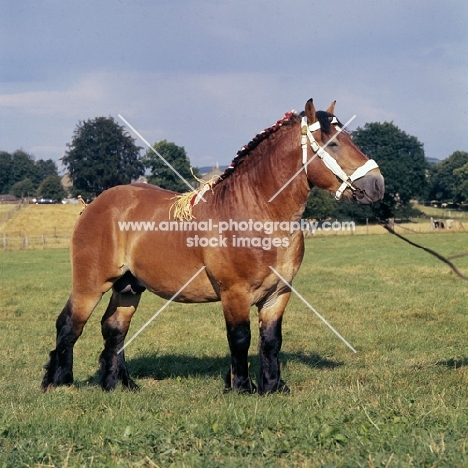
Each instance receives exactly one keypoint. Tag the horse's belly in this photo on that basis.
(172, 270)
(194, 288)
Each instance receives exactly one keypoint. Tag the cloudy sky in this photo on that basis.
(210, 74)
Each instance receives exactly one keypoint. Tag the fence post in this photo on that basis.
(25, 242)
(5, 244)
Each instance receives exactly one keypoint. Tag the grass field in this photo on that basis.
(39, 227)
(5, 208)
(42, 219)
(402, 400)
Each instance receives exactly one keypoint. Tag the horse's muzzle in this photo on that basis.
(369, 189)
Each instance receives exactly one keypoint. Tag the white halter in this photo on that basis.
(329, 161)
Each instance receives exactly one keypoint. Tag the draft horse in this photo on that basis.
(286, 160)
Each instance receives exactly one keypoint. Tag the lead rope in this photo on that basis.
(389, 227)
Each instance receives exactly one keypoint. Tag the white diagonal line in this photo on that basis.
(158, 154)
(311, 159)
(313, 310)
(161, 309)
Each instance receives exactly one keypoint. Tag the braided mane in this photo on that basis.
(288, 118)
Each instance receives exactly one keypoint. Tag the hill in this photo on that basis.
(34, 220)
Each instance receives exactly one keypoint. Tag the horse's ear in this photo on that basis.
(331, 109)
(310, 111)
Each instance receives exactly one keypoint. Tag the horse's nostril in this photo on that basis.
(359, 194)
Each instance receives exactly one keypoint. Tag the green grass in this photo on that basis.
(402, 400)
(442, 212)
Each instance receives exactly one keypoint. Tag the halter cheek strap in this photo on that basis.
(330, 162)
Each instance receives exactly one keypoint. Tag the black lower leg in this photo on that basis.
(112, 359)
(59, 370)
(269, 346)
(239, 342)
(114, 325)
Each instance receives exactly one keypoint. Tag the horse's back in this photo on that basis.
(115, 204)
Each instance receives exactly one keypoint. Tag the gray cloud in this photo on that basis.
(208, 75)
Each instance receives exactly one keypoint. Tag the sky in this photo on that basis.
(210, 74)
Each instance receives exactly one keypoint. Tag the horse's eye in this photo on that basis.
(332, 144)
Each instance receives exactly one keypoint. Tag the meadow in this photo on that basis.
(37, 226)
(401, 400)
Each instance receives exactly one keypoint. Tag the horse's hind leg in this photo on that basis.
(69, 325)
(115, 323)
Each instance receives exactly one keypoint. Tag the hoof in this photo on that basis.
(247, 387)
(281, 387)
(242, 391)
(46, 386)
(58, 372)
(131, 386)
(110, 382)
(58, 380)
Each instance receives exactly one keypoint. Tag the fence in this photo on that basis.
(28, 242)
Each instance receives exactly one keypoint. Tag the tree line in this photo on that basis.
(408, 176)
(102, 154)
(22, 176)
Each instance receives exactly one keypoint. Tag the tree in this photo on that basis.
(401, 160)
(23, 167)
(20, 166)
(101, 155)
(23, 188)
(51, 187)
(164, 176)
(442, 179)
(45, 169)
(461, 185)
(320, 204)
(6, 166)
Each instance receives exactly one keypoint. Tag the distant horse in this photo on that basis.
(247, 222)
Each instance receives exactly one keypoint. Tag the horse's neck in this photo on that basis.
(265, 173)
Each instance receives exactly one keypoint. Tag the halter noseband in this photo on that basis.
(329, 161)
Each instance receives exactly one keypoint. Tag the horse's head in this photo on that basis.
(333, 162)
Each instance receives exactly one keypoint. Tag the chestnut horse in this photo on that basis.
(256, 201)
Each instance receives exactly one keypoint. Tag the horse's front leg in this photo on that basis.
(237, 315)
(270, 317)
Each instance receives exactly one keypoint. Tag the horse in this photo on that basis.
(248, 231)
